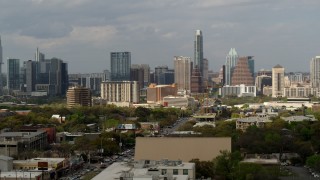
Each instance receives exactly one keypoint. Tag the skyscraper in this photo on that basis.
(137, 74)
(13, 74)
(314, 72)
(159, 70)
(231, 61)
(182, 72)
(146, 74)
(205, 65)
(30, 75)
(52, 76)
(277, 81)
(78, 96)
(242, 73)
(251, 65)
(1, 62)
(120, 66)
(198, 51)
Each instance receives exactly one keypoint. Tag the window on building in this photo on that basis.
(185, 172)
(175, 172)
(163, 171)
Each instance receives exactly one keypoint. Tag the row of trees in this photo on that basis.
(77, 119)
(276, 137)
(229, 166)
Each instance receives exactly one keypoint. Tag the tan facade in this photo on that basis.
(182, 72)
(155, 93)
(277, 81)
(181, 148)
(78, 96)
(120, 91)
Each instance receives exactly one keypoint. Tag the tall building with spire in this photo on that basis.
(231, 62)
(1, 62)
(198, 51)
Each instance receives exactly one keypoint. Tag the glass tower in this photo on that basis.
(13, 77)
(231, 62)
(198, 51)
(120, 66)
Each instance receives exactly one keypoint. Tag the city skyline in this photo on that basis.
(83, 32)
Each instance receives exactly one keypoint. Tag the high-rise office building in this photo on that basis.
(166, 77)
(1, 62)
(196, 82)
(146, 74)
(52, 77)
(30, 75)
(205, 64)
(78, 96)
(120, 66)
(157, 71)
(231, 62)
(182, 72)
(277, 81)
(314, 72)
(242, 73)
(137, 74)
(251, 64)
(198, 51)
(261, 82)
(13, 74)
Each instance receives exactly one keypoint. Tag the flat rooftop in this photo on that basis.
(115, 170)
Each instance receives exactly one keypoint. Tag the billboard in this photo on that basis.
(42, 165)
(126, 126)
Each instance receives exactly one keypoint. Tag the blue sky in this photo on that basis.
(84, 32)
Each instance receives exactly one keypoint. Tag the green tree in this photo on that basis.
(225, 164)
(314, 162)
(204, 168)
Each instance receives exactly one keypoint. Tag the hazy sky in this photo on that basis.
(84, 32)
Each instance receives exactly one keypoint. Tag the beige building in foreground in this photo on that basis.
(180, 148)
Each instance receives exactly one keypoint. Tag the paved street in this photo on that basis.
(301, 173)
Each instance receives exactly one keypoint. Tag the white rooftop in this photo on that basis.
(115, 170)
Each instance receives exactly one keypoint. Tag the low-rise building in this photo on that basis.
(155, 93)
(178, 101)
(52, 166)
(243, 123)
(14, 175)
(6, 163)
(149, 169)
(299, 118)
(238, 90)
(13, 143)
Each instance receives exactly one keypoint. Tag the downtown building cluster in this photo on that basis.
(129, 83)
(38, 77)
(239, 78)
